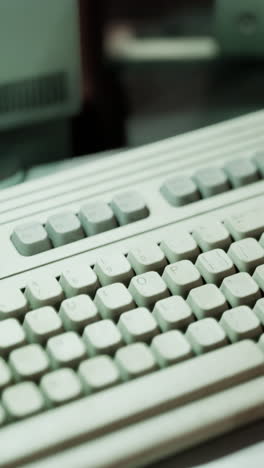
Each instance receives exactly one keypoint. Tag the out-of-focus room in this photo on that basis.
(88, 77)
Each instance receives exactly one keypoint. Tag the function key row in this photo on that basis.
(66, 227)
(207, 182)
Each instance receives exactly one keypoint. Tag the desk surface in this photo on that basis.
(243, 448)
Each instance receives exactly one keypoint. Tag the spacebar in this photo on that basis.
(109, 410)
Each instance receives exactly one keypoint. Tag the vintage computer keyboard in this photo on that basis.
(131, 302)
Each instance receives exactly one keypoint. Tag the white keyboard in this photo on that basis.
(132, 302)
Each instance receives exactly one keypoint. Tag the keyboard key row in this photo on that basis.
(210, 181)
(144, 289)
(78, 314)
(176, 247)
(66, 227)
(241, 360)
(29, 361)
(211, 266)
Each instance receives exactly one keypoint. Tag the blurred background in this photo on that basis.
(84, 77)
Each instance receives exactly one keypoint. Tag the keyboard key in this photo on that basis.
(170, 347)
(179, 191)
(261, 342)
(12, 303)
(147, 257)
(129, 207)
(30, 239)
(98, 373)
(148, 288)
(180, 246)
(241, 172)
(22, 400)
(112, 300)
(5, 376)
(258, 276)
(135, 360)
(138, 325)
(29, 362)
(206, 335)
(97, 217)
(64, 228)
(246, 224)
(60, 386)
(113, 268)
(259, 310)
(181, 277)
(258, 159)
(240, 289)
(43, 291)
(207, 301)
(240, 323)
(246, 254)
(41, 324)
(79, 279)
(212, 235)
(12, 335)
(102, 337)
(214, 266)
(172, 312)
(211, 181)
(66, 349)
(261, 240)
(3, 415)
(77, 312)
